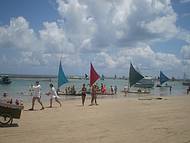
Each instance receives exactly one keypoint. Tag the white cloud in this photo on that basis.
(117, 23)
(184, 1)
(142, 56)
(186, 51)
(76, 22)
(17, 35)
(184, 35)
(163, 26)
(54, 40)
(109, 33)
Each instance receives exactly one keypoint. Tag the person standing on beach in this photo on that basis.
(93, 95)
(53, 95)
(170, 89)
(36, 96)
(115, 89)
(125, 90)
(83, 94)
(188, 90)
(111, 89)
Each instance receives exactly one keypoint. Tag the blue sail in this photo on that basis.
(163, 78)
(61, 76)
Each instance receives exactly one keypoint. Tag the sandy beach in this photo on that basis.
(116, 120)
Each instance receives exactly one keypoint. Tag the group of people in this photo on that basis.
(94, 89)
(113, 90)
(7, 99)
(70, 90)
(37, 95)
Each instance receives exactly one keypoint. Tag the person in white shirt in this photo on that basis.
(53, 95)
(36, 88)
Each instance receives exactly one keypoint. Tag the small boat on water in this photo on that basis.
(162, 79)
(136, 79)
(5, 79)
(146, 82)
(186, 83)
(186, 80)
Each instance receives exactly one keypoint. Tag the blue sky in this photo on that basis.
(153, 35)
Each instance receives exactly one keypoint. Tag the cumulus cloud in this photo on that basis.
(117, 23)
(186, 51)
(143, 58)
(17, 35)
(108, 33)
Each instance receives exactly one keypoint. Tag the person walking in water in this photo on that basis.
(53, 95)
(36, 96)
(83, 94)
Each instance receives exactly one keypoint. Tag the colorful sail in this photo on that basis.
(61, 76)
(93, 75)
(134, 76)
(163, 78)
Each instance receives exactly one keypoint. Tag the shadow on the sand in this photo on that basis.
(52, 107)
(8, 125)
(31, 110)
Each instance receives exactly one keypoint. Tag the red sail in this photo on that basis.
(93, 75)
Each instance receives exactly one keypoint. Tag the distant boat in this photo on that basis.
(163, 79)
(134, 77)
(186, 81)
(5, 79)
(102, 77)
(86, 76)
(146, 82)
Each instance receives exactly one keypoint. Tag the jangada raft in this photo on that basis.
(8, 112)
(134, 77)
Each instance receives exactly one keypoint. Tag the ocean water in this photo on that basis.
(19, 88)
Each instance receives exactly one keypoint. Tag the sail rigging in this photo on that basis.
(62, 79)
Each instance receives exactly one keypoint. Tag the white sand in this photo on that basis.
(117, 120)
